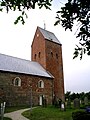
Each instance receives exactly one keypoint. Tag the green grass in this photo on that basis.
(48, 113)
(5, 118)
(11, 109)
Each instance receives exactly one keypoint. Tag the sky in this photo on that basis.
(16, 40)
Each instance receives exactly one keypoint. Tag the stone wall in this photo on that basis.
(21, 95)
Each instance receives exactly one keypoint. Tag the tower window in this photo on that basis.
(51, 54)
(37, 35)
(56, 55)
(39, 54)
(35, 56)
(41, 84)
(17, 81)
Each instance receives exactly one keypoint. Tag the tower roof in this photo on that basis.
(18, 65)
(49, 35)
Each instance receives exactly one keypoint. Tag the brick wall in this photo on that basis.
(38, 49)
(51, 59)
(54, 65)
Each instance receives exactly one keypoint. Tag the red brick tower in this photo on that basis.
(47, 50)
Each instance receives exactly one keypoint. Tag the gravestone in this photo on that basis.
(86, 101)
(68, 103)
(76, 103)
(2, 110)
(59, 103)
(82, 102)
(63, 106)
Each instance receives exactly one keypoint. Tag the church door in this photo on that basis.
(40, 99)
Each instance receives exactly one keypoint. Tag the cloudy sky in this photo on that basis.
(16, 40)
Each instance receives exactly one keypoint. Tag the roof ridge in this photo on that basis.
(13, 57)
(46, 30)
(49, 35)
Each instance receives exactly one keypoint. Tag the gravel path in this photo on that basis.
(16, 115)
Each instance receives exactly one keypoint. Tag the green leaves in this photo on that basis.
(57, 17)
(77, 10)
(44, 3)
(21, 18)
(1, 9)
(23, 5)
(76, 53)
(57, 22)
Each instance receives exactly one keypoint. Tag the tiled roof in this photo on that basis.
(18, 65)
(49, 35)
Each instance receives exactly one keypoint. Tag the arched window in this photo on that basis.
(41, 84)
(17, 81)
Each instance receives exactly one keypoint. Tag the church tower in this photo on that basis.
(47, 50)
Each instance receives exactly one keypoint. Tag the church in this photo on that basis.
(24, 82)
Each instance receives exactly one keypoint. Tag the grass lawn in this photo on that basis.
(48, 113)
(7, 118)
(11, 109)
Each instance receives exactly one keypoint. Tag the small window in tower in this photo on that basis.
(37, 35)
(51, 54)
(61, 68)
(56, 55)
(35, 56)
(39, 54)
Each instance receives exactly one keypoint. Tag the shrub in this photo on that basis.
(80, 115)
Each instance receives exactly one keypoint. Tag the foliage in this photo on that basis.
(77, 11)
(48, 113)
(80, 115)
(72, 96)
(67, 95)
(23, 5)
